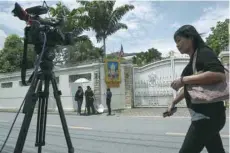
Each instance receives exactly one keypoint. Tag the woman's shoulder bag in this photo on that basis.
(201, 94)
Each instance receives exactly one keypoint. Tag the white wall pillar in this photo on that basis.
(66, 96)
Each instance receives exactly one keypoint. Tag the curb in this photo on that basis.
(55, 112)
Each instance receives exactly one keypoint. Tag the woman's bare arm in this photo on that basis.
(204, 78)
(179, 97)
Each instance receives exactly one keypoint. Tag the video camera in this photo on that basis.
(44, 34)
(37, 25)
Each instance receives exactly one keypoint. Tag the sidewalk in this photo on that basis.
(134, 112)
(148, 112)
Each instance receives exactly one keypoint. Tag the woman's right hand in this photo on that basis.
(170, 108)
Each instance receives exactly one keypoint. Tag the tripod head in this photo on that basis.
(43, 33)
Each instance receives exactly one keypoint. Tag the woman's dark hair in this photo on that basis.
(188, 31)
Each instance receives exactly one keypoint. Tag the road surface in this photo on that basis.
(105, 134)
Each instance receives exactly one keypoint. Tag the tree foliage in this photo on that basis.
(75, 19)
(11, 54)
(144, 58)
(83, 50)
(75, 23)
(218, 40)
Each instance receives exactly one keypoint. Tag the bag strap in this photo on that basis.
(194, 62)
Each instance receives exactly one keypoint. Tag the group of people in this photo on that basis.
(89, 99)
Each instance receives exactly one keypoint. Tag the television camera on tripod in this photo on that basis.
(44, 34)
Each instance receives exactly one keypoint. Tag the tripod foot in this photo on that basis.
(71, 150)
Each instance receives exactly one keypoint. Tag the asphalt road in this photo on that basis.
(105, 134)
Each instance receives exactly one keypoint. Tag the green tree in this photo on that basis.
(83, 51)
(104, 19)
(144, 58)
(75, 19)
(74, 23)
(79, 52)
(218, 40)
(116, 57)
(11, 54)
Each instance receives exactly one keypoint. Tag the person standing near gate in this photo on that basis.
(89, 100)
(79, 98)
(108, 100)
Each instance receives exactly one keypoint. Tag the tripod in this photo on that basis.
(39, 91)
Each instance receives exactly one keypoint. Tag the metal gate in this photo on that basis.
(152, 82)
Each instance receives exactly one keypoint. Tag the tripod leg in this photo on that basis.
(30, 101)
(39, 112)
(32, 88)
(46, 91)
(42, 115)
(40, 105)
(57, 94)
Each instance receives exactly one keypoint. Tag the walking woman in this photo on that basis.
(207, 119)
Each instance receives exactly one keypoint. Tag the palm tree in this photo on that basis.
(104, 18)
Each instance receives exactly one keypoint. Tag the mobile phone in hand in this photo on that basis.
(165, 114)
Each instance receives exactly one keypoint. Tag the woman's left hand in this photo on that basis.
(177, 84)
